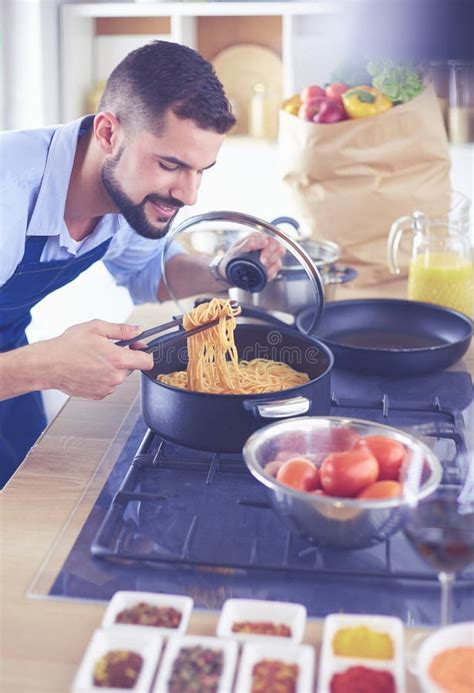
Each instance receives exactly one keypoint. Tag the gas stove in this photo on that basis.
(171, 519)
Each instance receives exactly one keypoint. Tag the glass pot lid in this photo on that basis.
(215, 235)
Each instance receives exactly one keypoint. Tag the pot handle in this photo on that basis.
(278, 408)
(340, 275)
(290, 221)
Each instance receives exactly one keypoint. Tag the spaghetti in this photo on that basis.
(213, 361)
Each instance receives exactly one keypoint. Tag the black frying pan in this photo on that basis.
(391, 337)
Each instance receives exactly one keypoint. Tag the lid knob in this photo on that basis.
(247, 272)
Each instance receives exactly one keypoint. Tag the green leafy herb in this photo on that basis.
(401, 83)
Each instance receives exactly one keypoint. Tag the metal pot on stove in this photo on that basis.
(222, 422)
(290, 292)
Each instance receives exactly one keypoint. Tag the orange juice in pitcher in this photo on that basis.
(442, 278)
(441, 268)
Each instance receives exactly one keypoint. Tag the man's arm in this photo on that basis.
(189, 275)
(83, 361)
(21, 370)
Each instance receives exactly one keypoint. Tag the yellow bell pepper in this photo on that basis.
(292, 105)
(364, 101)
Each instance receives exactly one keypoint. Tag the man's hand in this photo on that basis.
(85, 362)
(189, 275)
(271, 253)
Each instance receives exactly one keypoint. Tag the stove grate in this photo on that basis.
(196, 509)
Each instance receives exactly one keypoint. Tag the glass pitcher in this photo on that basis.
(441, 267)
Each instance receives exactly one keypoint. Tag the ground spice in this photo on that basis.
(147, 615)
(262, 628)
(362, 680)
(363, 642)
(117, 669)
(453, 670)
(196, 670)
(275, 676)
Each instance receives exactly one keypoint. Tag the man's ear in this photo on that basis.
(108, 132)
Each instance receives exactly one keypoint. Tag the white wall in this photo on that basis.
(30, 63)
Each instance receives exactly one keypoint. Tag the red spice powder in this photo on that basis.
(362, 680)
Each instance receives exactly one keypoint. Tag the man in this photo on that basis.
(103, 187)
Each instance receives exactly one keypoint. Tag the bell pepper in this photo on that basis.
(364, 101)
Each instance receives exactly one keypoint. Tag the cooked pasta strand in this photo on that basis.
(213, 361)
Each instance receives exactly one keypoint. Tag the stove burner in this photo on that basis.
(179, 521)
(191, 509)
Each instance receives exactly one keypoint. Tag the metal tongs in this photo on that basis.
(180, 335)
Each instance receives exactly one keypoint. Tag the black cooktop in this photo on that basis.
(171, 519)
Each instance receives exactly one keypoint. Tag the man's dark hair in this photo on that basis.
(162, 75)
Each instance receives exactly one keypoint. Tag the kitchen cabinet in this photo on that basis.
(301, 33)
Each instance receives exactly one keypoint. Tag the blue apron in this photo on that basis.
(22, 418)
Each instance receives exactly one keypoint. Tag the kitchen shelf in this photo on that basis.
(301, 42)
(200, 9)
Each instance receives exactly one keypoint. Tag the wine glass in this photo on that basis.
(441, 529)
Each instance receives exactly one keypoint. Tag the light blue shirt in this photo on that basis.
(35, 167)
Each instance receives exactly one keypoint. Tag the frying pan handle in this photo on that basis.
(278, 408)
(340, 275)
(393, 242)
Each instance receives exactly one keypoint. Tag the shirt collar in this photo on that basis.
(48, 215)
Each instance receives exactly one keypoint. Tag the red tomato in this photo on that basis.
(330, 111)
(308, 109)
(388, 452)
(311, 92)
(342, 439)
(273, 467)
(335, 90)
(345, 474)
(381, 489)
(299, 473)
(329, 440)
(318, 492)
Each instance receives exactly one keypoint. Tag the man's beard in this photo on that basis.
(134, 214)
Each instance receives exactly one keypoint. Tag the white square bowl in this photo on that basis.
(457, 635)
(330, 663)
(254, 652)
(126, 600)
(280, 613)
(229, 649)
(147, 644)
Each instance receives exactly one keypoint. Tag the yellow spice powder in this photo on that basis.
(453, 670)
(362, 642)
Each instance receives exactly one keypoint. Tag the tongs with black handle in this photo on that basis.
(178, 336)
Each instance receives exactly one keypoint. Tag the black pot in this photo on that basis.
(222, 423)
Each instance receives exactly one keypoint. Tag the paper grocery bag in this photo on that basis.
(351, 180)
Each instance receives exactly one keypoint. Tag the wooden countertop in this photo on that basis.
(42, 641)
